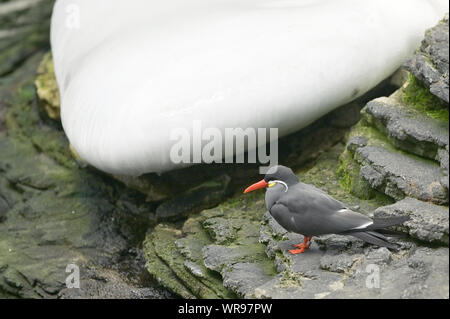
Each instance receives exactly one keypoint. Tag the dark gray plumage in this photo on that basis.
(307, 210)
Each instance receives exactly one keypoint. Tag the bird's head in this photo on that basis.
(275, 174)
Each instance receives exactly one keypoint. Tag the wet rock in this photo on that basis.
(25, 28)
(4, 207)
(200, 197)
(150, 185)
(200, 247)
(53, 213)
(346, 115)
(107, 284)
(177, 269)
(162, 273)
(428, 222)
(64, 217)
(431, 63)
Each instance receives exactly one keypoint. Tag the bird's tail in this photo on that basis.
(375, 238)
(391, 233)
(379, 223)
(378, 237)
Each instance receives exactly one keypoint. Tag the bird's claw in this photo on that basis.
(302, 245)
(297, 251)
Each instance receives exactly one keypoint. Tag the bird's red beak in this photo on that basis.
(258, 185)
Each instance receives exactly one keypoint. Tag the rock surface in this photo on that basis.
(56, 216)
(398, 175)
(430, 64)
(407, 128)
(230, 247)
(428, 222)
(205, 195)
(400, 147)
(52, 212)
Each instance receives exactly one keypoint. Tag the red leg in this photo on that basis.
(301, 247)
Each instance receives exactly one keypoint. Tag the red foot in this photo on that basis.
(297, 251)
(301, 247)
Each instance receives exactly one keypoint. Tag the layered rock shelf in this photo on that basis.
(238, 247)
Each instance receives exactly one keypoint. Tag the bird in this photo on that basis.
(305, 209)
(132, 73)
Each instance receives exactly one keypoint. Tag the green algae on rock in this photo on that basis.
(186, 278)
(405, 127)
(430, 64)
(419, 97)
(56, 216)
(52, 213)
(192, 244)
(47, 89)
(381, 145)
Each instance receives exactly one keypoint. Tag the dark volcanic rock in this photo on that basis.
(398, 175)
(52, 213)
(58, 216)
(220, 229)
(204, 196)
(407, 128)
(4, 207)
(428, 222)
(431, 63)
(108, 284)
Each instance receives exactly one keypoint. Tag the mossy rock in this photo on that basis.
(47, 89)
(187, 278)
(53, 213)
(415, 94)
